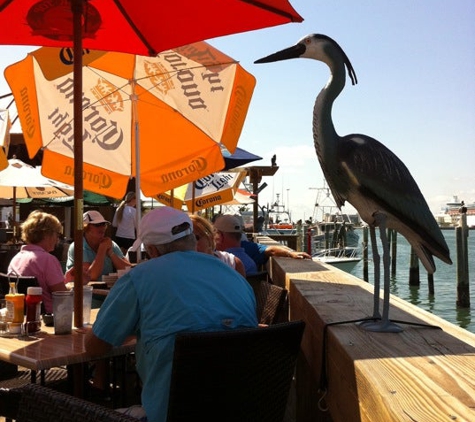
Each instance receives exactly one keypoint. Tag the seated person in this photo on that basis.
(260, 253)
(101, 255)
(204, 233)
(177, 290)
(41, 232)
(228, 232)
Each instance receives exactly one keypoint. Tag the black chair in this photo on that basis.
(35, 403)
(234, 375)
(272, 302)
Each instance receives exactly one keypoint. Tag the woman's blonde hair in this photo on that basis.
(204, 228)
(120, 209)
(38, 225)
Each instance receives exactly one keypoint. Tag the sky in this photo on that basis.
(415, 63)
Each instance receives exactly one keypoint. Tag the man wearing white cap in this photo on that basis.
(101, 255)
(178, 289)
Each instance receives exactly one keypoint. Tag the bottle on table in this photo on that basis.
(33, 300)
(15, 308)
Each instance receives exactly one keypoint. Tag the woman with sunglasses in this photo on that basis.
(101, 255)
(204, 233)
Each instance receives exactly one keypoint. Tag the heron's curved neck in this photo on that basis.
(323, 128)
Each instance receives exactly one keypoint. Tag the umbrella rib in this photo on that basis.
(271, 9)
(171, 75)
(151, 50)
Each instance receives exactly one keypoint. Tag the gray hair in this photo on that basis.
(186, 243)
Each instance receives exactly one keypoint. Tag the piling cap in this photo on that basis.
(34, 291)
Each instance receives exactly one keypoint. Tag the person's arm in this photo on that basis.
(117, 257)
(70, 274)
(274, 250)
(239, 266)
(96, 267)
(94, 345)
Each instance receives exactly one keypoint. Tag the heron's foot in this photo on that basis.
(381, 326)
(370, 320)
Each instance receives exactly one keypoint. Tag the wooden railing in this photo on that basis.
(421, 374)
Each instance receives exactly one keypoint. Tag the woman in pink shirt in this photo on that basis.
(41, 232)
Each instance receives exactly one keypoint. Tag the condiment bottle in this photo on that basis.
(15, 305)
(34, 297)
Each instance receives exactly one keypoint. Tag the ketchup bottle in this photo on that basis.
(34, 297)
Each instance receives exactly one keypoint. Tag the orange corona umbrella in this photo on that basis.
(160, 119)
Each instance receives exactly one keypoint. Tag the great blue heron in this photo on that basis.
(362, 171)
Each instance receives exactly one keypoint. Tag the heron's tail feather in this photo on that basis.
(426, 256)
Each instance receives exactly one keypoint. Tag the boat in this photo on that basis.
(278, 219)
(330, 227)
(450, 218)
(274, 219)
(345, 258)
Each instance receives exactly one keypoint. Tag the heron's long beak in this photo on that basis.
(288, 53)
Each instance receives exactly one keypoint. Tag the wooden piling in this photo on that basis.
(414, 279)
(461, 236)
(430, 282)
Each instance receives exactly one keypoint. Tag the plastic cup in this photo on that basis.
(86, 304)
(63, 305)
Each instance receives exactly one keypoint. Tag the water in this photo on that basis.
(443, 302)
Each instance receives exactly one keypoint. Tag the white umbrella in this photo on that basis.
(20, 180)
(209, 191)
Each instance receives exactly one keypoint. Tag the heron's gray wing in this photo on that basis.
(386, 180)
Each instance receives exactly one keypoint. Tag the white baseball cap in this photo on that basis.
(93, 217)
(164, 225)
(228, 223)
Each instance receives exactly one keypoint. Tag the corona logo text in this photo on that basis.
(196, 166)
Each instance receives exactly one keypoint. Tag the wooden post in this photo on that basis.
(430, 282)
(414, 279)
(327, 236)
(309, 240)
(463, 287)
(365, 253)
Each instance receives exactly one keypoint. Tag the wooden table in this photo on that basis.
(46, 350)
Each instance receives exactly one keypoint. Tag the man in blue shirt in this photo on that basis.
(228, 235)
(101, 255)
(177, 290)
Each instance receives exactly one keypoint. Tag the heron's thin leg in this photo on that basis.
(384, 325)
(377, 271)
(381, 218)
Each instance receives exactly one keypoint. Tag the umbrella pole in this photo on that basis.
(77, 9)
(138, 213)
(193, 198)
(14, 215)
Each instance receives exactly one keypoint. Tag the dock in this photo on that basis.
(425, 373)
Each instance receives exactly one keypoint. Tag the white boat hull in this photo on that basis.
(342, 263)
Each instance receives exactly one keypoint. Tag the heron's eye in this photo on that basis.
(307, 41)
